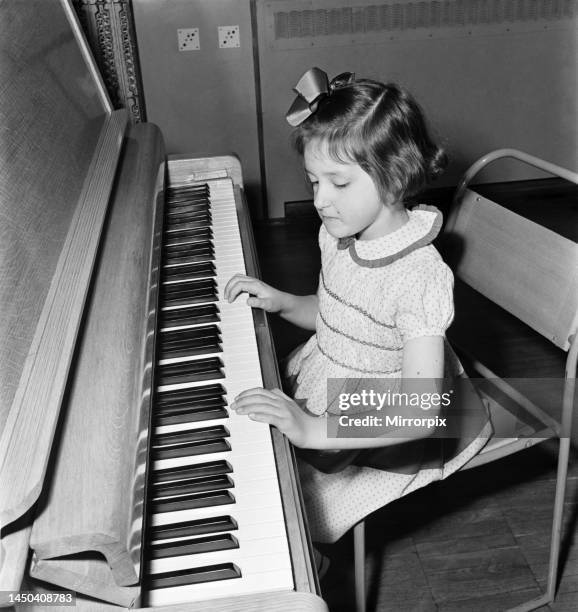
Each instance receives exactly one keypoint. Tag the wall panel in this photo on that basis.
(203, 100)
(489, 73)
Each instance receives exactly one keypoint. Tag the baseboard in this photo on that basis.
(299, 208)
(442, 196)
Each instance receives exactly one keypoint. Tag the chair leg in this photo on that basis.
(563, 456)
(548, 597)
(359, 563)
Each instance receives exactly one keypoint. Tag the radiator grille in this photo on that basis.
(404, 16)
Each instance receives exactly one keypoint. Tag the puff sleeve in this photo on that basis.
(426, 306)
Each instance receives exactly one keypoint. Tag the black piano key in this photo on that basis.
(190, 220)
(184, 405)
(186, 195)
(199, 220)
(191, 435)
(194, 288)
(196, 234)
(190, 415)
(202, 284)
(199, 470)
(198, 247)
(202, 269)
(214, 391)
(190, 449)
(190, 256)
(195, 333)
(197, 527)
(185, 225)
(190, 371)
(200, 201)
(191, 349)
(183, 243)
(188, 294)
(193, 338)
(190, 315)
(188, 208)
(176, 198)
(192, 485)
(193, 546)
(201, 204)
(209, 573)
(190, 502)
(179, 189)
(186, 199)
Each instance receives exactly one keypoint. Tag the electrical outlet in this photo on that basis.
(229, 37)
(188, 39)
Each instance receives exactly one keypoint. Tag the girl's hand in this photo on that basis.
(277, 409)
(261, 295)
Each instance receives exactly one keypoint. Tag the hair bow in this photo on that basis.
(312, 87)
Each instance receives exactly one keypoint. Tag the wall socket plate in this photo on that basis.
(188, 39)
(229, 37)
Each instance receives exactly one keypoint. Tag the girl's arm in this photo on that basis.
(301, 310)
(423, 359)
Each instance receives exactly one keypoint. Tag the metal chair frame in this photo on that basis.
(496, 449)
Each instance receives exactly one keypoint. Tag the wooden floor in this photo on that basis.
(479, 540)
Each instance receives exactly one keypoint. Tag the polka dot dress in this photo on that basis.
(374, 295)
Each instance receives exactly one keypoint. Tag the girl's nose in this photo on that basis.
(321, 200)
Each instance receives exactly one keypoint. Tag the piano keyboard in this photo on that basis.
(216, 524)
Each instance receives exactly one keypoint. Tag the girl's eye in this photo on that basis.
(341, 185)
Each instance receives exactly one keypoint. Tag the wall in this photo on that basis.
(489, 74)
(204, 101)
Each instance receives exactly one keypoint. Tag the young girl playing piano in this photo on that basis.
(382, 307)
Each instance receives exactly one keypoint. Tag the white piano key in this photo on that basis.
(273, 549)
(257, 473)
(237, 425)
(256, 455)
(249, 583)
(253, 531)
(265, 511)
(256, 490)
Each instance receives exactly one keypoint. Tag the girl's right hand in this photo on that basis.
(261, 295)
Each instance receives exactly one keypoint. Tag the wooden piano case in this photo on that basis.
(81, 197)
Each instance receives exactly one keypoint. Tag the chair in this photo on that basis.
(531, 272)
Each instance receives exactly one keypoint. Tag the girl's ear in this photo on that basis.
(390, 201)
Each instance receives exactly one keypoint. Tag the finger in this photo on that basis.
(247, 406)
(269, 419)
(235, 287)
(248, 285)
(254, 391)
(256, 302)
(231, 282)
(253, 397)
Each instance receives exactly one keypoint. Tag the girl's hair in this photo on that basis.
(381, 128)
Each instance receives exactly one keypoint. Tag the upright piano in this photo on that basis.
(124, 477)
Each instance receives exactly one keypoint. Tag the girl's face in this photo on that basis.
(345, 196)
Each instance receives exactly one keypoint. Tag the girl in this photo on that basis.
(381, 309)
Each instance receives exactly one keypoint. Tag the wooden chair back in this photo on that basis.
(527, 269)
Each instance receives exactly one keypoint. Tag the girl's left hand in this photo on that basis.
(277, 409)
